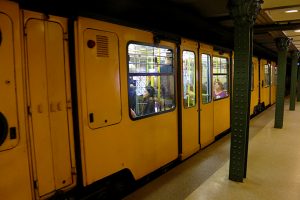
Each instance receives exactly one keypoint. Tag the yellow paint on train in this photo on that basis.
(129, 101)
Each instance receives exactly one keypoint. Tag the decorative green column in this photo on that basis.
(295, 56)
(244, 13)
(282, 44)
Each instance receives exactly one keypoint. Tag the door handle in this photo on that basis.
(60, 106)
(40, 108)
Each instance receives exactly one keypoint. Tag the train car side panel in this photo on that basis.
(15, 182)
(102, 71)
(139, 144)
(221, 116)
(49, 99)
(254, 85)
(265, 88)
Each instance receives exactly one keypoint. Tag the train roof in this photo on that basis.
(207, 21)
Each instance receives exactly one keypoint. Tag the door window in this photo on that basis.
(220, 78)
(189, 75)
(206, 79)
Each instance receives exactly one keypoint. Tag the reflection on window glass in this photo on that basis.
(220, 78)
(252, 76)
(189, 72)
(151, 80)
(267, 75)
(205, 79)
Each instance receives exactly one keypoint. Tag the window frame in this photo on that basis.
(157, 74)
(222, 74)
(209, 76)
(269, 81)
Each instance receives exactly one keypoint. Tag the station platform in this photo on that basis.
(273, 167)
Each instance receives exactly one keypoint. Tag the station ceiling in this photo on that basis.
(204, 20)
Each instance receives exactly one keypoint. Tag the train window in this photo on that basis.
(220, 77)
(267, 75)
(151, 80)
(189, 75)
(205, 79)
(252, 76)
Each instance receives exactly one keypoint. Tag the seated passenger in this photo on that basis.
(219, 90)
(148, 100)
(132, 113)
(167, 66)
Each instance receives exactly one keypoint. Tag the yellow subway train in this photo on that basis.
(87, 103)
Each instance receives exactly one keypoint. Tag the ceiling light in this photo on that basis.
(297, 31)
(291, 11)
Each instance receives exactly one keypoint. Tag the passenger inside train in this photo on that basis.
(148, 105)
(132, 97)
(219, 91)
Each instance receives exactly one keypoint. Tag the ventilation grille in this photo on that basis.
(102, 46)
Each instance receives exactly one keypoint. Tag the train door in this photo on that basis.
(269, 92)
(8, 105)
(254, 85)
(206, 103)
(14, 169)
(49, 102)
(190, 117)
(273, 82)
(265, 88)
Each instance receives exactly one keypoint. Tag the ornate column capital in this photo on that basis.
(283, 43)
(244, 11)
(295, 54)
